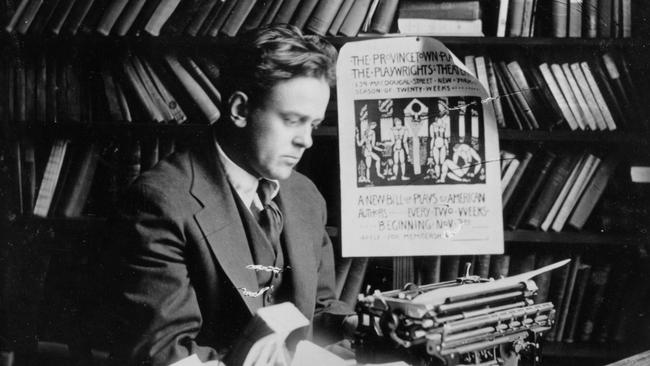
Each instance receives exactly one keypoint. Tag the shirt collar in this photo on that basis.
(244, 183)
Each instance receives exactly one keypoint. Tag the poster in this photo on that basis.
(419, 153)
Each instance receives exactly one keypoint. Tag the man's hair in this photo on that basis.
(266, 56)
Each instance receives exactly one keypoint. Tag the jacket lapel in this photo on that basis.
(298, 239)
(220, 223)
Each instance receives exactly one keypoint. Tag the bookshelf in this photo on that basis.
(76, 235)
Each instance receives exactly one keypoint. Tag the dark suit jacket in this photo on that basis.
(183, 252)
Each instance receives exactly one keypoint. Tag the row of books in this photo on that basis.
(513, 18)
(598, 94)
(197, 17)
(552, 190)
(565, 18)
(597, 300)
(74, 178)
(53, 88)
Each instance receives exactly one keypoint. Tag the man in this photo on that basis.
(201, 251)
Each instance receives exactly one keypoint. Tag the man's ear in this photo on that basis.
(238, 104)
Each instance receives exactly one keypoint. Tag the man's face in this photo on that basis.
(279, 129)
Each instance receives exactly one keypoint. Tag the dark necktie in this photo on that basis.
(270, 216)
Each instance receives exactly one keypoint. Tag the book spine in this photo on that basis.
(208, 109)
(237, 17)
(340, 17)
(590, 18)
(60, 15)
(451, 10)
(502, 20)
(354, 19)
(203, 12)
(303, 12)
(286, 11)
(50, 178)
(384, 16)
(616, 19)
(550, 192)
(592, 193)
(321, 19)
(587, 117)
(510, 188)
(558, 96)
(494, 93)
(567, 92)
(214, 13)
(76, 193)
(560, 18)
(626, 18)
(126, 20)
(604, 18)
(110, 16)
(585, 174)
(499, 266)
(160, 16)
(140, 92)
(13, 22)
(27, 16)
(575, 309)
(428, 268)
(173, 106)
(255, 17)
(204, 81)
(519, 98)
(559, 200)
(527, 18)
(270, 15)
(224, 13)
(598, 282)
(563, 311)
(598, 121)
(77, 16)
(441, 27)
(515, 17)
(575, 18)
(543, 281)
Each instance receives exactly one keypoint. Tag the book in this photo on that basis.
(382, 20)
(515, 17)
(323, 16)
(160, 15)
(127, 18)
(556, 180)
(522, 262)
(470, 65)
(449, 267)
(77, 15)
(15, 18)
(112, 98)
(440, 9)
(143, 17)
(602, 80)
(181, 17)
(557, 203)
(528, 192)
(557, 293)
(212, 16)
(223, 14)
(174, 108)
(256, 16)
(208, 109)
(365, 25)
(441, 27)
(550, 113)
(616, 19)
(499, 266)
(90, 22)
(354, 18)
(598, 122)
(556, 92)
(593, 191)
(588, 118)
(543, 281)
(527, 18)
(354, 282)
(151, 89)
(516, 177)
(28, 15)
(560, 18)
(482, 268)
(626, 18)
(575, 18)
(605, 18)
(270, 15)
(286, 11)
(236, 17)
(584, 175)
(340, 17)
(513, 117)
(304, 10)
(203, 81)
(563, 308)
(203, 11)
(567, 92)
(61, 13)
(110, 16)
(519, 100)
(595, 297)
(598, 96)
(139, 91)
(40, 115)
(590, 18)
(577, 302)
(493, 88)
(43, 17)
(502, 18)
(50, 178)
(403, 271)
(428, 269)
(76, 186)
(633, 91)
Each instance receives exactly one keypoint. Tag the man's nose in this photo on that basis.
(303, 137)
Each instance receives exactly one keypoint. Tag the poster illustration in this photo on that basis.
(419, 152)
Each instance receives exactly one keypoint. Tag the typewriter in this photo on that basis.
(469, 321)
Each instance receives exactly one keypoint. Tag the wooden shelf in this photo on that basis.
(574, 238)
